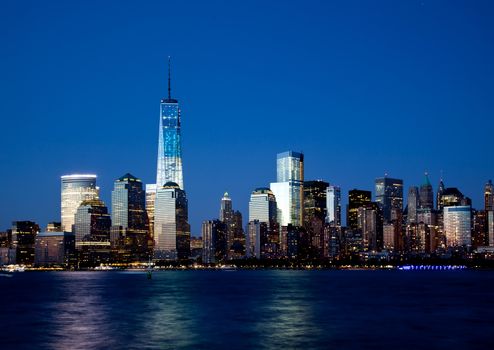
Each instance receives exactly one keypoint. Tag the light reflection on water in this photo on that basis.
(247, 309)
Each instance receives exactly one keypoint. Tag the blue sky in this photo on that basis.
(361, 87)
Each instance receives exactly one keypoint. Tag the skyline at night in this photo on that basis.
(359, 100)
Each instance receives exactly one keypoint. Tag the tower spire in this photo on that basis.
(169, 80)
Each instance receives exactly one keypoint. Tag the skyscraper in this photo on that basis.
(76, 189)
(356, 199)
(226, 209)
(214, 245)
(426, 194)
(169, 167)
(23, 240)
(288, 188)
(489, 196)
(92, 233)
(457, 226)
(171, 227)
(129, 217)
(389, 195)
(333, 205)
(263, 209)
(412, 204)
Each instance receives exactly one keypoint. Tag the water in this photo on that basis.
(268, 309)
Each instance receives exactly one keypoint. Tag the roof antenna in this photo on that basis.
(169, 83)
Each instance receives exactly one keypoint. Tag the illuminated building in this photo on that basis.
(23, 240)
(169, 167)
(489, 196)
(315, 213)
(54, 249)
(214, 243)
(389, 195)
(480, 236)
(150, 198)
(426, 194)
(129, 218)
(369, 221)
(171, 227)
(54, 227)
(76, 189)
(253, 239)
(457, 226)
(333, 205)
(288, 188)
(412, 204)
(450, 197)
(356, 199)
(92, 233)
(263, 208)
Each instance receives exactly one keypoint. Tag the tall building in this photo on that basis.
(253, 239)
(412, 204)
(23, 240)
(369, 220)
(171, 227)
(226, 209)
(450, 196)
(92, 233)
(288, 188)
(333, 205)
(76, 188)
(169, 167)
(214, 249)
(129, 217)
(55, 249)
(389, 195)
(489, 196)
(440, 191)
(150, 198)
(234, 230)
(263, 208)
(315, 213)
(426, 194)
(457, 226)
(356, 199)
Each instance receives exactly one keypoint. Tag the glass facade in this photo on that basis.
(412, 204)
(169, 167)
(75, 190)
(356, 199)
(457, 226)
(288, 189)
(333, 204)
(389, 195)
(171, 227)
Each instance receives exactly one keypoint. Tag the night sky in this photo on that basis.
(363, 88)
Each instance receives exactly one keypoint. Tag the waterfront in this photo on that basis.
(330, 309)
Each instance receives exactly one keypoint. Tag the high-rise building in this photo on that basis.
(389, 195)
(23, 240)
(489, 196)
(171, 227)
(55, 249)
(440, 191)
(263, 208)
(129, 217)
(288, 188)
(169, 167)
(412, 204)
(315, 213)
(426, 194)
(54, 227)
(356, 199)
(234, 231)
(253, 239)
(333, 205)
(214, 249)
(457, 226)
(76, 189)
(226, 209)
(92, 233)
(450, 196)
(150, 198)
(369, 220)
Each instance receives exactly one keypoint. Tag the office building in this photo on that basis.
(130, 234)
(169, 167)
(214, 248)
(356, 199)
(333, 205)
(23, 235)
(288, 188)
(76, 188)
(55, 249)
(150, 198)
(489, 196)
(412, 204)
(389, 195)
(426, 194)
(171, 227)
(457, 226)
(263, 208)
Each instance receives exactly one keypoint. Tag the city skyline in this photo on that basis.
(237, 108)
